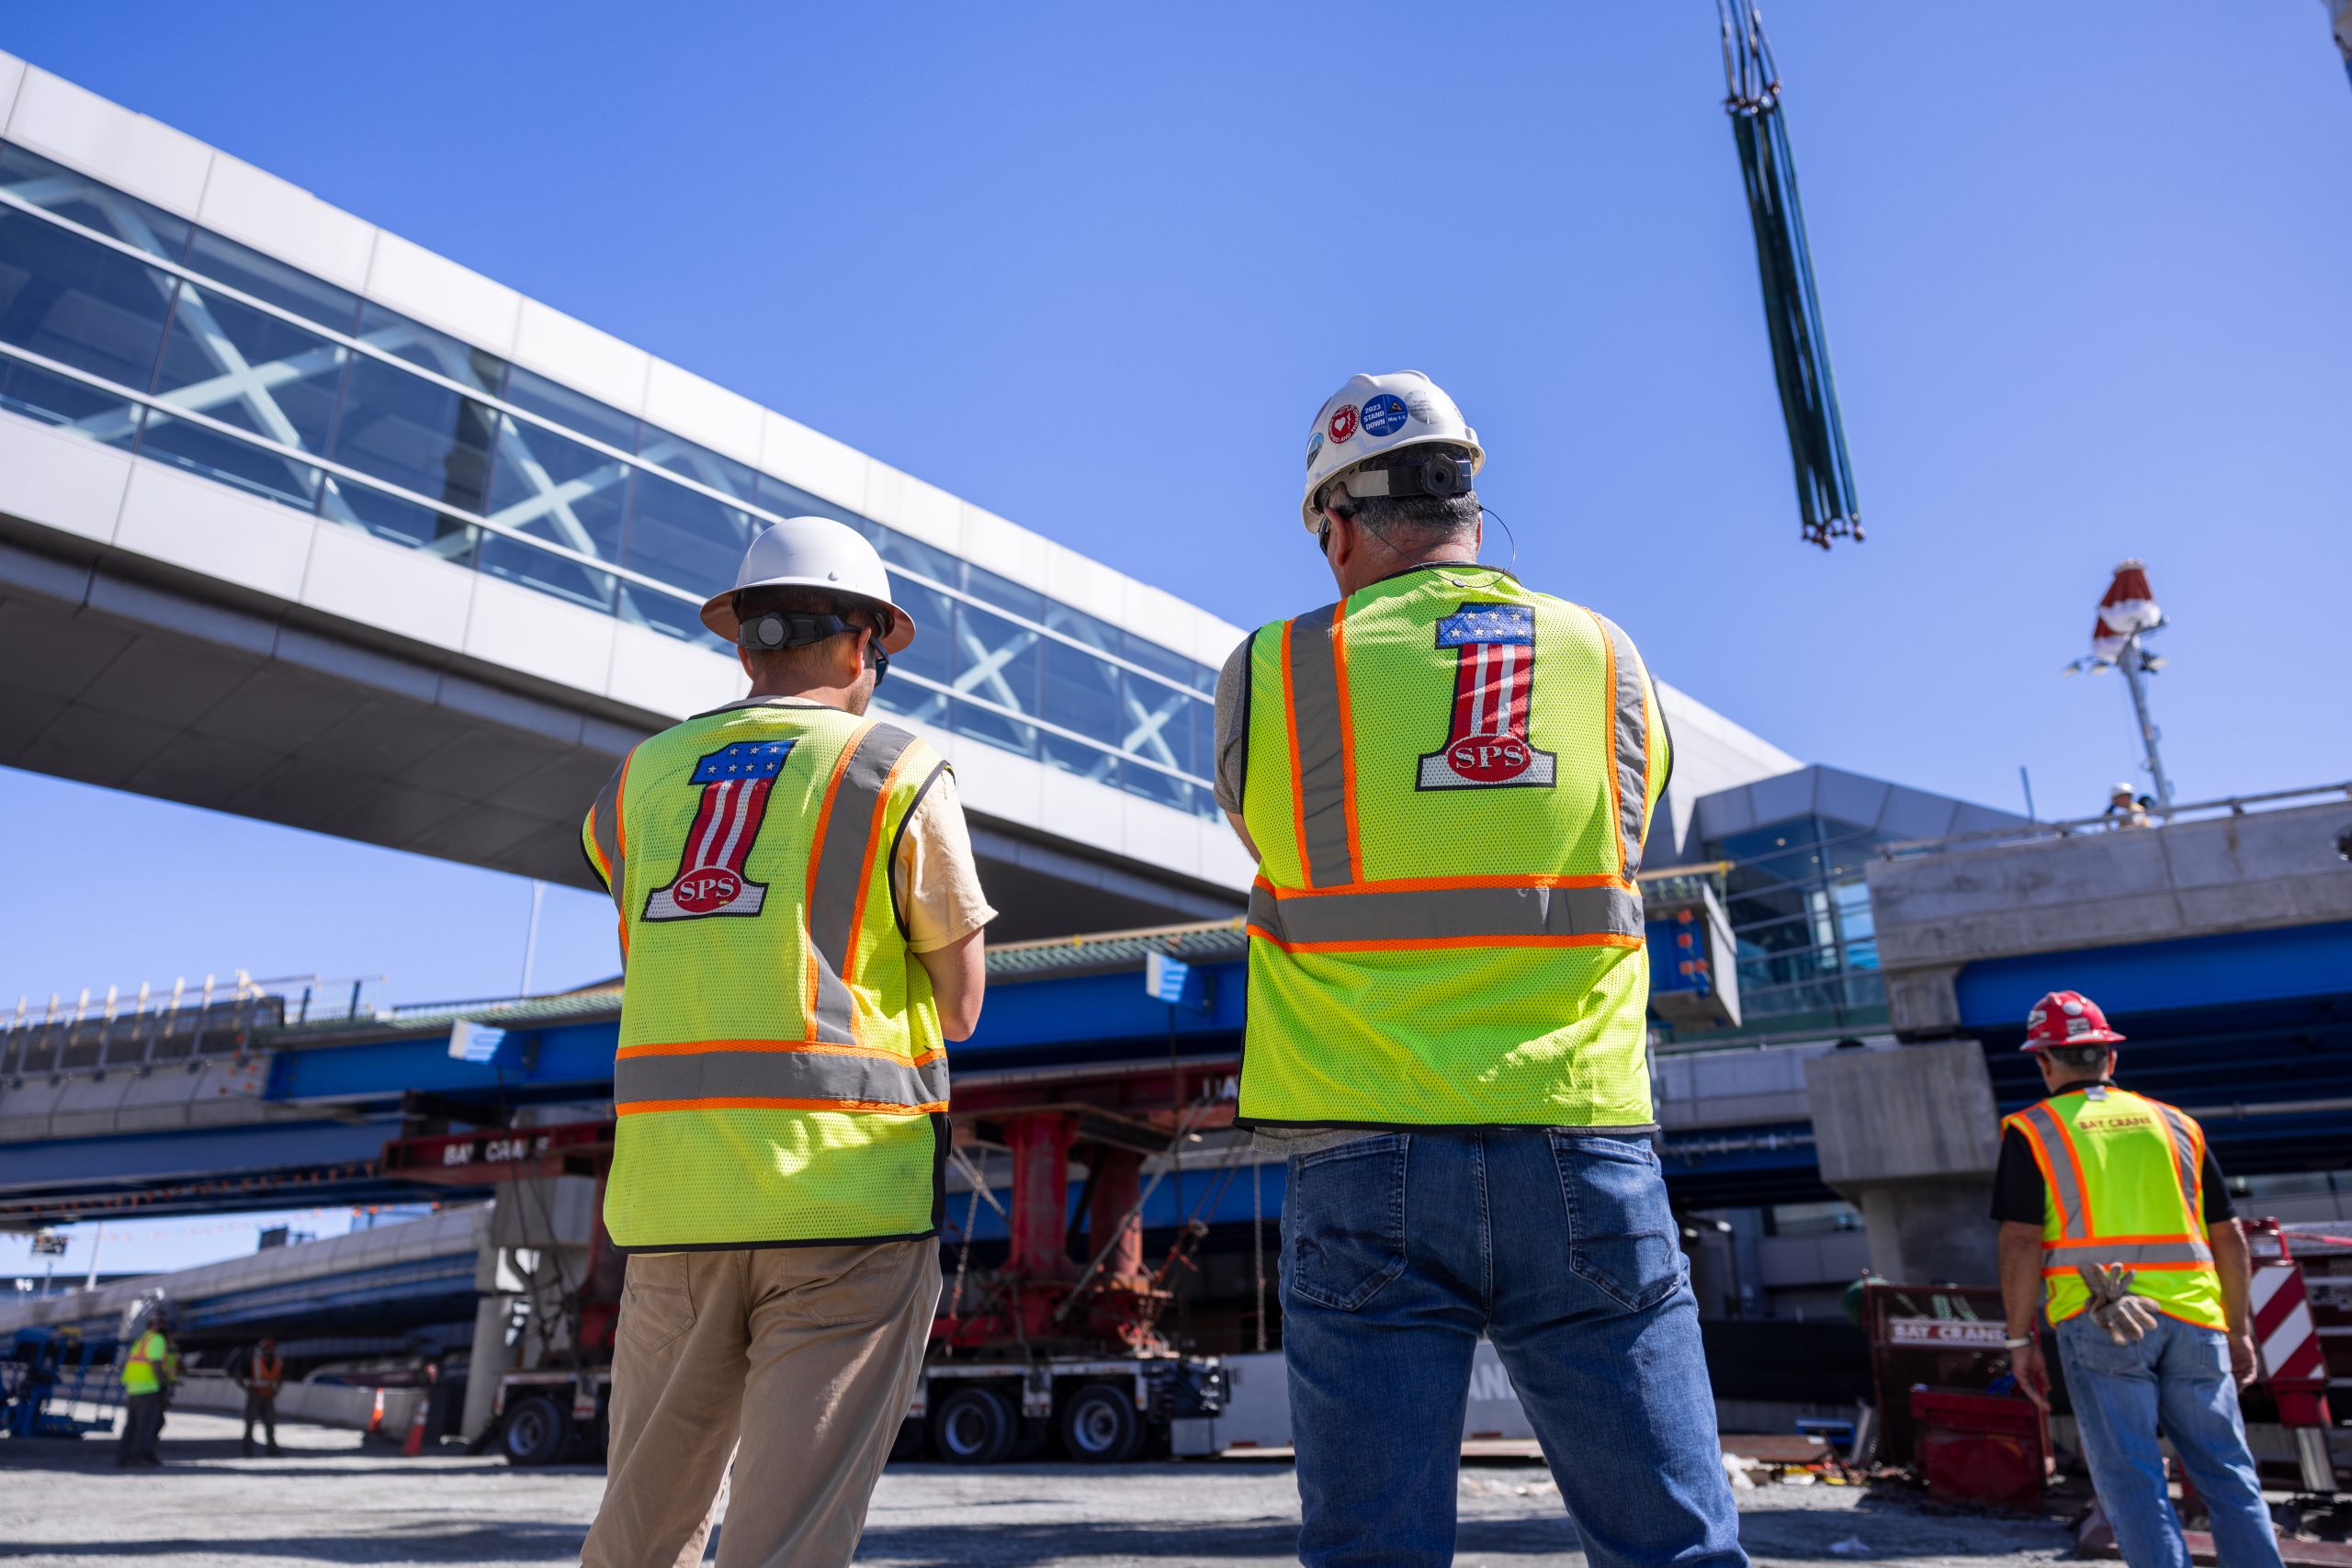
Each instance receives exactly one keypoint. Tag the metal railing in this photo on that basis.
(188, 1022)
(2158, 817)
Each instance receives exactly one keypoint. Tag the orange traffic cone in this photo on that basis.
(375, 1417)
(415, 1443)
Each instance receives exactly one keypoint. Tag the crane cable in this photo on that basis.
(1808, 391)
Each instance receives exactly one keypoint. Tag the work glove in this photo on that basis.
(2126, 1317)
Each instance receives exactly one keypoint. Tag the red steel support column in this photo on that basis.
(1040, 1210)
(1117, 1180)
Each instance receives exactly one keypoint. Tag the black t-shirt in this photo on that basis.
(2018, 1196)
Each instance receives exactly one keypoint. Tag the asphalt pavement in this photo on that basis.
(331, 1500)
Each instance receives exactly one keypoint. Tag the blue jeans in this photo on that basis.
(1399, 1250)
(2176, 1380)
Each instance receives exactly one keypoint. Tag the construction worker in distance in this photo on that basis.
(149, 1367)
(800, 927)
(2125, 809)
(1447, 778)
(263, 1375)
(2113, 1201)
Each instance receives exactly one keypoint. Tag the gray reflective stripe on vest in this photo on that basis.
(2073, 1252)
(753, 1074)
(841, 875)
(2184, 1156)
(1632, 730)
(1322, 761)
(604, 823)
(1377, 914)
(2063, 1187)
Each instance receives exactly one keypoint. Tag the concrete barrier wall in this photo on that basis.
(312, 1403)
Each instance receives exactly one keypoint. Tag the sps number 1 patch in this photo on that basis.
(1494, 682)
(735, 783)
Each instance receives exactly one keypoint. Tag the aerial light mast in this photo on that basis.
(2128, 613)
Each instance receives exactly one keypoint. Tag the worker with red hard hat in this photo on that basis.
(2111, 1204)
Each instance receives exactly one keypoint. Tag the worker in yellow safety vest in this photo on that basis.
(800, 923)
(265, 1374)
(149, 1367)
(2112, 1203)
(1447, 778)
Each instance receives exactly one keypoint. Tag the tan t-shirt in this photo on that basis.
(937, 884)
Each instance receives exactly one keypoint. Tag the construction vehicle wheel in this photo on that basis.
(1099, 1425)
(537, 1431)
(974, 1426)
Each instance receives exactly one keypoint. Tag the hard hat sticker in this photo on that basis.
(1343, 422)
(1423, 407)
(1383, 415)
(1313, 446)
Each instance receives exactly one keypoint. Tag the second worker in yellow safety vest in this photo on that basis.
(800, 925)
(1447, 778)
(2112, 1203)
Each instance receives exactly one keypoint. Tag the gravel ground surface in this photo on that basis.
(330, 1501)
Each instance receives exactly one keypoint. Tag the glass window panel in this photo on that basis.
(552, 487)
(791, 500)
(1078, 624)
(1080, 693)
(1076, 757)
(700, 464)
(60, 400)
(549, 573)
(657, 611)
(226, 458)
(915, 555)
(434, 350)
(412, 433)
(78, 302)
(1004, 593)
(249, 369)
(1153, 784)
(907, 700)
(53, 187)
(575, 411)
(267, 277)
(401, 522)
(996, 660)
(931, 654)
(684, 537)
(1142, 651)
(982, 724)
(1158, 723)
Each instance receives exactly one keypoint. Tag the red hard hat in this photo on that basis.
(2066, 1018)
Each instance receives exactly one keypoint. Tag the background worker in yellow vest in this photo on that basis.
(2113, 1201)
(263, 1375)
(149, 1367)
(1447, 778)
(800, 924)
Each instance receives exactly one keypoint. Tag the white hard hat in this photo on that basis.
(1373, 414)
(812, 552)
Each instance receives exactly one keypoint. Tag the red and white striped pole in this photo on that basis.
(2293, 1364)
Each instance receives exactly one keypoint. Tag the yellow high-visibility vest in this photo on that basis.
(781, 1077)
(2123, 1178)
(143, 1368)
(1449, 781)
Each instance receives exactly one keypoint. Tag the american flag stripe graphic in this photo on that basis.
(1494, 682)
(736, 781)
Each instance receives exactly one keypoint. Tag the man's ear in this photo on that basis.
(743, 658)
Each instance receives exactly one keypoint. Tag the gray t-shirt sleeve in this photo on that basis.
(1233, 727)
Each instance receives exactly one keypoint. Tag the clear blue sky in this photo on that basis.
(1095, 268)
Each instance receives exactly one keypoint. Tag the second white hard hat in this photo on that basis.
(1373, 414)
(812, 552)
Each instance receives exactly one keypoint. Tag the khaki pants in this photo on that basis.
(798, 1360)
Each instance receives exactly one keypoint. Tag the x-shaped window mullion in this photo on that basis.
(549, 496)
(989, 663)
(1149, 724)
